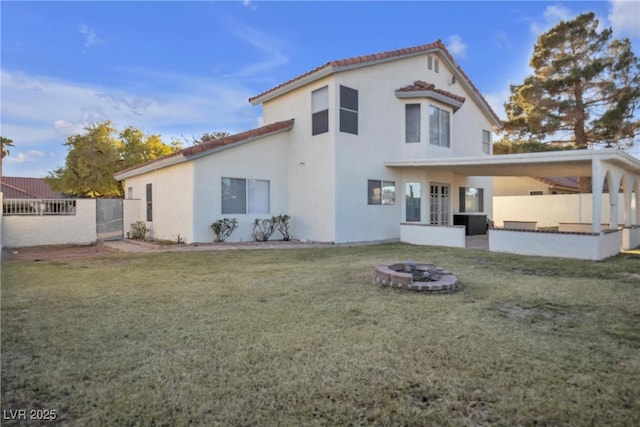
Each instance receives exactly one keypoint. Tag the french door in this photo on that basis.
(439, 206)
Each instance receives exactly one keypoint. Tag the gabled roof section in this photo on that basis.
(14, 187)
(420, 88)
(205, 148)
(334, 67)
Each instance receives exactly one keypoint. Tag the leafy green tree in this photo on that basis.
(207, 136)
(95, 155)
(584, 90)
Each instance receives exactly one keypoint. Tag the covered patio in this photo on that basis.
(583, 240)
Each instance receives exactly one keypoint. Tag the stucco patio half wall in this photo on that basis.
(615, 167)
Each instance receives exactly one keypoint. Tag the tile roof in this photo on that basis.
(385, 56)
(559, 181)
(14, 187)
(212, 144)
(420, 86)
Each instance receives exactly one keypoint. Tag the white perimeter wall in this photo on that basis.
(579, 246)
(418, 234)
(35, 230)
(549, 210)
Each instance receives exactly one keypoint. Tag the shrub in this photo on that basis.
(139, 230)
(282, 225)
(223, 228)
(263, 229)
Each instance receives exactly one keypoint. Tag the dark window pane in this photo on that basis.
(374, 191)
(320, 122)
(348, 121)
(348, 98)
(413, 122)
(234, 196)
(149, 202)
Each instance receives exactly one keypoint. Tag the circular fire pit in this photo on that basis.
(421, 276)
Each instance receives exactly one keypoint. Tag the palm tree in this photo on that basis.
(4, 143)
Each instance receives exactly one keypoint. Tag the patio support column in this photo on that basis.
(636, 192)
(597, 176)
(628, 191)
(614, 195)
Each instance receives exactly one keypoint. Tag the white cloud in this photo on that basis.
(457, 47)
(271, 48)
(40, 112)
(28, 156)
(248, 3)
(552, 15)
(497, 100)
(90, 37)
(624, 17)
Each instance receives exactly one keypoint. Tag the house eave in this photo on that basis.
(153, 166)
(235, 144)
(453, 103)
(555, 163)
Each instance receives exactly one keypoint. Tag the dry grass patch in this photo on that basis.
(303, 337)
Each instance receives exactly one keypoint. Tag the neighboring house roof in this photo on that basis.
(334, 67)
(14, 187)
(205, 148)
(560, 182)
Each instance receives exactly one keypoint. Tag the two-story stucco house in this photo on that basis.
(386, 146)
(321, 155)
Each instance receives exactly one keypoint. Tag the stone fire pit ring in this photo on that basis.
(415, 276)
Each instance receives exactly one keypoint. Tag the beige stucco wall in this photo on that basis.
(328, 173)
(262, 159)
(517, 186)
(35, 230)
(172, 189)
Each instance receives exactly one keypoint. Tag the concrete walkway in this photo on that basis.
(136, 246)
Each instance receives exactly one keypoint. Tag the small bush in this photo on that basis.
(263, 229)
(139, 230)
(282, 225)
(223, 228)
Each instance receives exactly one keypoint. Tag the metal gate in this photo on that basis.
(109, 219)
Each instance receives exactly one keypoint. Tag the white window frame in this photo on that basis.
(386, 192)
(486, 141)
(417, 125)
(439, 203)
(319, 105)
(252, 204)
(439, 142)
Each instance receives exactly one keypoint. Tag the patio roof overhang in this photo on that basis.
(554, 163)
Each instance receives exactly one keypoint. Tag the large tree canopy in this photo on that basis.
(584, 90)
(95, 155)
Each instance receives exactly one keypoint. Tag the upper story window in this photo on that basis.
(439, 127)
(486, 142)
(320, 111)
(241, 196)
(433, 64)
(412, 122)
(348, 110)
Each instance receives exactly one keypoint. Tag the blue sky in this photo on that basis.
(179, 69)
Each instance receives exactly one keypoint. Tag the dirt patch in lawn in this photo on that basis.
(55, 252)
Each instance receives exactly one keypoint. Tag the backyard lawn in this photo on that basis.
(303, 337)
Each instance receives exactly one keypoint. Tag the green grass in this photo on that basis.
(303, 337)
